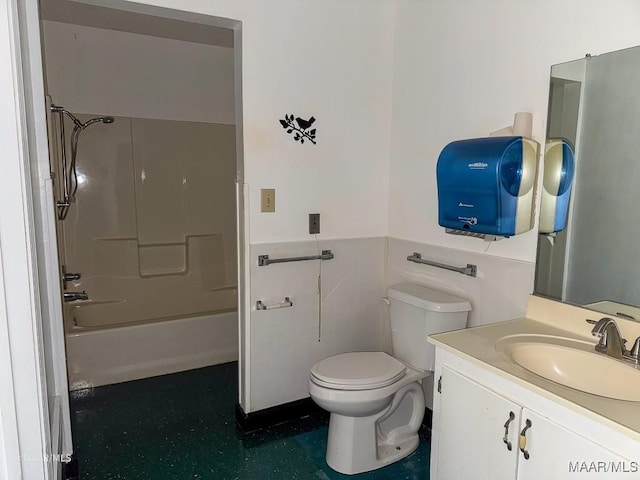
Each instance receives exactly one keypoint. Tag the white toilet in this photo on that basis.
(376, 401)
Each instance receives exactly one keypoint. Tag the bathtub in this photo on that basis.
(105, 354)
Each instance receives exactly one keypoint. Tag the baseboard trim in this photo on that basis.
(298, 410)
(70, 469)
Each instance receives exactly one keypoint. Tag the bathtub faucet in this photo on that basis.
(74, 296)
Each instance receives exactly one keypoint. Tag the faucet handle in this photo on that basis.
(633, 355)
(68, 277)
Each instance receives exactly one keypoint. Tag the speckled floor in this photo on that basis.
(182, 426)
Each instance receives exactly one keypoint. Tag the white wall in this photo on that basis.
(92, 70)
(330, 59)
(462, 69)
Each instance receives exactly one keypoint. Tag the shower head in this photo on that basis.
(105, 120)
(69, 172)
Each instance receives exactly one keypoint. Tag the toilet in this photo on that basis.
(376, 400)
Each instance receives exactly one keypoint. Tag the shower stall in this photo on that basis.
(147, 239)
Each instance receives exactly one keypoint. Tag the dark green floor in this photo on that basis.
(182, 426)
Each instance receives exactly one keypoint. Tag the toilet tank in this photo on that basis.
(415, 312)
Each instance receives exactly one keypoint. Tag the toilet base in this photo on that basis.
(364, 457)
(356, 444)
(389, 453)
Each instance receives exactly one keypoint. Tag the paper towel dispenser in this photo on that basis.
(486, 185)
(559, 167)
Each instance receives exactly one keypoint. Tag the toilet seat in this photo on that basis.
(358, 371)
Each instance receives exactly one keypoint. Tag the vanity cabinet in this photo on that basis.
(477, 432)
(471, 431)
(554, 450)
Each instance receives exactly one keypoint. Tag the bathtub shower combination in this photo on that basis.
(147, 240)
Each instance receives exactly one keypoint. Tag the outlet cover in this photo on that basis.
(314, 223)
(268, 200)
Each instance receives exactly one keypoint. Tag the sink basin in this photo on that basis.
(574, 363)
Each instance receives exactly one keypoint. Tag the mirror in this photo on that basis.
(595, 261)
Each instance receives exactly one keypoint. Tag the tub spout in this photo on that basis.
(75, 296)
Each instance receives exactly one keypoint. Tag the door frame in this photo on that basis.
(24, 409)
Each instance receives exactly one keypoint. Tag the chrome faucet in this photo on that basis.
(75, 296)
(611, 341)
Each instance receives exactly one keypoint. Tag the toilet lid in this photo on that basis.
(358, 371)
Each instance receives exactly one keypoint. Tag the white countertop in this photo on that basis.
(478, 345)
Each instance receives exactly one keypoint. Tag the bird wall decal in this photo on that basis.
(301, 129)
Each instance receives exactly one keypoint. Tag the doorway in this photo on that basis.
(164, 278)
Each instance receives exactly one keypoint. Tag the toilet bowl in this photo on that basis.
(377, 405)
(376, 400)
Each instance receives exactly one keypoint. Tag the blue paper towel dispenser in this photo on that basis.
(486, 185)
(559, 167)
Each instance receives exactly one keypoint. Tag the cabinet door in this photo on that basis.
(557, 453)
(471, 431)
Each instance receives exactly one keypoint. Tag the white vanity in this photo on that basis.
(494, 419)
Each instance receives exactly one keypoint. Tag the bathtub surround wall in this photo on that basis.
(153, 233)
(152, 230)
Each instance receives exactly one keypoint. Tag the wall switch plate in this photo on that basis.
(268, 200)
(314, 223)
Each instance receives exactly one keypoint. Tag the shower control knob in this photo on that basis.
(69, 277)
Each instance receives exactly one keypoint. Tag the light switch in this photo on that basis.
(267, 200)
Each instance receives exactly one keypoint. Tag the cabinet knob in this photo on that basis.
(523, 439)
(505, 439)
